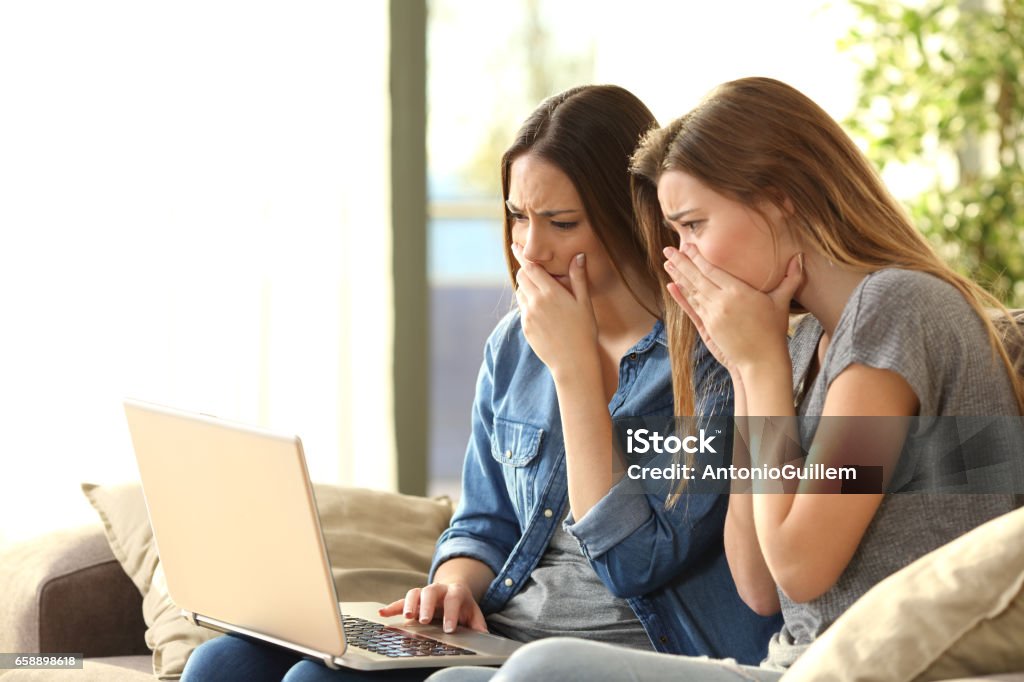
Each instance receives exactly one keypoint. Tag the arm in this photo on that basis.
(746, 562)
(482, 532)
(809, 539)
(562, 331)
(615, 522)
(634, 542)
(475, 575)
(806, 540)
(750, 572)
(457, 587)
(587, 432)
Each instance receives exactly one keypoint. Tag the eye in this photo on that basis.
(517, 217)
(564, 226)
(692, 225)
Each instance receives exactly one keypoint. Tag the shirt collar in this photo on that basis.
(656, 335)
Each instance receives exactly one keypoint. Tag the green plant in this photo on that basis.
(942, 91)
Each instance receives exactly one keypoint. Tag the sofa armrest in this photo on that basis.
(64, 592)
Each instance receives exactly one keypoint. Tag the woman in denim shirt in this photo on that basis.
(544, 541)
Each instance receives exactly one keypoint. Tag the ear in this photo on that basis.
(776, 204)
(787, 206)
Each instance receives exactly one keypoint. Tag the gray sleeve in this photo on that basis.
(910, 323)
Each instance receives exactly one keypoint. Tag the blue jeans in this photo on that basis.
(231, 659)
(572, 660)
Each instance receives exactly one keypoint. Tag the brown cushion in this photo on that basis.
(65, 592)
(395, 536)
(76, 613)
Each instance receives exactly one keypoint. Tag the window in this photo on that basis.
(490, 64)
(194, 210)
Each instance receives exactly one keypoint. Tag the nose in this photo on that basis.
(535, 248)
(685, 237)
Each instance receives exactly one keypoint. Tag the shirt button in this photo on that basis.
(548, 513)
(632, 356)
(663, 639)
(508, 582)
(508, 454)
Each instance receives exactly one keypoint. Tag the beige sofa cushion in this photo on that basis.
(955, 612)
(394, 536)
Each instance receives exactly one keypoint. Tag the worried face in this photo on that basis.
(551, 226)
(730, 235)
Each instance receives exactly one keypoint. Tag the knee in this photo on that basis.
(555, 658)
(210, 660)
(308, 671)
(228, 658)
(463, 674)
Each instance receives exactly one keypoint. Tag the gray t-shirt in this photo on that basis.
(564, 597)
(923, 329)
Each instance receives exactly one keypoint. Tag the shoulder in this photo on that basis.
(509, 355)
(924, 329)
(894, 306)
(507, 333)
(902, 305)
(910, 294)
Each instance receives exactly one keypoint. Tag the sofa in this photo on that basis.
(959, 610)
(954, 614)
(98, 590)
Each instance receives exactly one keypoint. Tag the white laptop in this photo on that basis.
(237, 530)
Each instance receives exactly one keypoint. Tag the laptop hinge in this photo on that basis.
(207, 622)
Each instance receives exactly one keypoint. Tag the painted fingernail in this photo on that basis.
(668, 251)
(408, 614)
(580, 259)
(448, 627)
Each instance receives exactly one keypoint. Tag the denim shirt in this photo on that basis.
(669, 564)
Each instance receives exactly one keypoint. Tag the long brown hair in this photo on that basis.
(589, 133)
(757, 139)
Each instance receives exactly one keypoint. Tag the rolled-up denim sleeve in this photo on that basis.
(635, 542)
(484, 526)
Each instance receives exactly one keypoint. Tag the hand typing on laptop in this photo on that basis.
(457, 586)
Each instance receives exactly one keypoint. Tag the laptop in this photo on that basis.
(238, 534)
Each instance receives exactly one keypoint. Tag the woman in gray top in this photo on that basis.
(759, 203)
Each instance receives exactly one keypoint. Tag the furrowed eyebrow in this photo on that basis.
(680, 214)
(547, 214)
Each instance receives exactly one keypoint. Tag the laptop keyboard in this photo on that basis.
(392, 642)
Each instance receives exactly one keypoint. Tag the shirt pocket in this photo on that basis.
(516, 445)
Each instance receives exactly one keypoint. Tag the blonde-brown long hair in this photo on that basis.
(758, 139)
